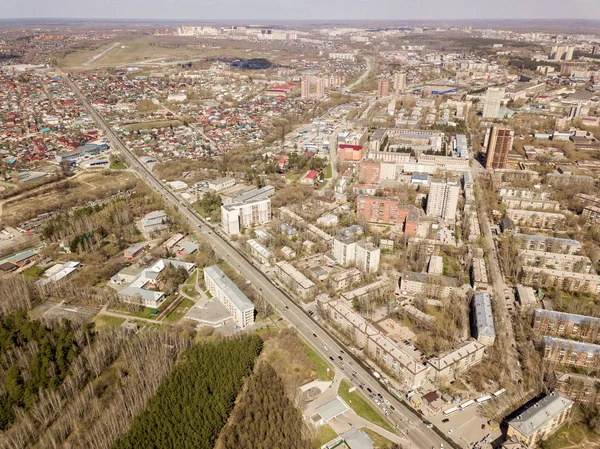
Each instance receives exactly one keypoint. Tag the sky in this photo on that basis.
(246, 10)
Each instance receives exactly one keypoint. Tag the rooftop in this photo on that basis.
(232, 291)
(484, 319)
(536, 416)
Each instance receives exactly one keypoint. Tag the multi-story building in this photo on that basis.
(443, 199)
(579, 388)
(479, 277)
(450, 364)
(534, 219)
(430, 285)
(388, 210)
(569, 325)
(216, 185)
(564, 280)
(482, 318)
(564, 179)
(251, 213)
(294, 278)
(383, 88)
(492, 102)
(399, 82)
(549, 244)
(380, 348)
(523, 192)
(525, 203)
(498, 143)
(562, 53)
(222, 288)
(572, 353)
(555, 261)
(372, 172)
(349, 153)
(591, 214)
(364, 254)
(345, 278)
(260, 252)
(541, 419)
(305, 87)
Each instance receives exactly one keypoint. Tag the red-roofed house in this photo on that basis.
(353, 153)
(309, 178)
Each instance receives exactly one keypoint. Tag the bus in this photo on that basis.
(499, 392)
(451, 410)
(467, 404)
(483, 399)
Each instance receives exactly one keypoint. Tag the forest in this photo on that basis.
(265, 417)
(194, 402)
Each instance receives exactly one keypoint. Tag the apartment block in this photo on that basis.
(534, 219)
(579, 388)
(549, 244)
(526, 203)
(541, 419)
(442, 199)
(563, 280)
(222, 288)
(389, 211)
(432, 286)
(591, 214)
(350, 153)
(556, 261)
(492, 102)
(236, 216)
(479, 277)
(523, 192)
(260, 252)
(345, 278)
(450, 364)
(568, 325)
(372, 172)
(364, 254)
(292, 277)
(483, 318)
(572, 353)
(404, 362)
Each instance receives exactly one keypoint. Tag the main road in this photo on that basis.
(405, 420)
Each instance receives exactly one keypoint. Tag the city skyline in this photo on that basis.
(304, 10)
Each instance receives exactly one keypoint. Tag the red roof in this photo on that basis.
(311, 174)
(353, 147)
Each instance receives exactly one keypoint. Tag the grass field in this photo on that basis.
(179, 311)
(320, 364)
(572, 435)
(328, 172)
(380, 442)
(33, 272)
(362, 407)
(150, 125)
(323, 435)
(105, 320)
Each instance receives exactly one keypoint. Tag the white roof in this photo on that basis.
(536, 416)
(232, 291)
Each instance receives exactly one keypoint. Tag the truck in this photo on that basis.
(376, 375)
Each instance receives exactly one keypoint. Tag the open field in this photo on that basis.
(323, 435)
(106, 320)
(362, 407)
(57, 311)
(572, 436)
(67, 193)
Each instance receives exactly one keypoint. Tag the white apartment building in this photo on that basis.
(442, 200)
(294, 278)
(222, 288)
(362, 253)
(534, 219)
(251, 213)
(556, 261)
(492, 102)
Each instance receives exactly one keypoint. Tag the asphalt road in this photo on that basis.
(402, 418)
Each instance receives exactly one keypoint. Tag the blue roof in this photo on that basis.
(572, 344)
(484, 320)
(545, 237)
(570, 317)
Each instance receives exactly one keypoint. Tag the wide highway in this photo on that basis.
(408, 424)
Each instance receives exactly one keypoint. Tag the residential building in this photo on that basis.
(297, 281)
(499, 142)
(383, 88)
(155, 221)
(555, 261)
(526, 203)
(222, 288)
(364, 254)
(526, 297)
(568, 325)
(479, 277)
(560, 179)
(216, 185)
(572, 353)
(492, 102)
(541, 419)
(483, 318)
(561, 53)
(399, 82)
(450, 364)
(523, 192)
(442, 199)
(564, 280)
(309, 178)
(350, 153)
(403, 361)
(549, 244)
(578, 387)
(432, 286)
(345, 278)
(534, 219)
(260, 252)
(305, 87)
(591, 214)
(133, 251)
(435, 265)
(236, 216)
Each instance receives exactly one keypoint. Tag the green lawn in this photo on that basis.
(572, 435)
(109, 320)
(179, 311)
(117, 164)
(190, 291)
(33, 272)
(362, 408)
(192, 279)
(147, 311)
(380, 442)
(328, 172)
(323, 435)
(320, 364)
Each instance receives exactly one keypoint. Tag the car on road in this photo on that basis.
(340, 357)
(248, 282)
(392, 407)
(450, 431)
(361, 386)
(369, 390)
(314, 335)
(331, 358)
(428, 424)
(445, 420)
